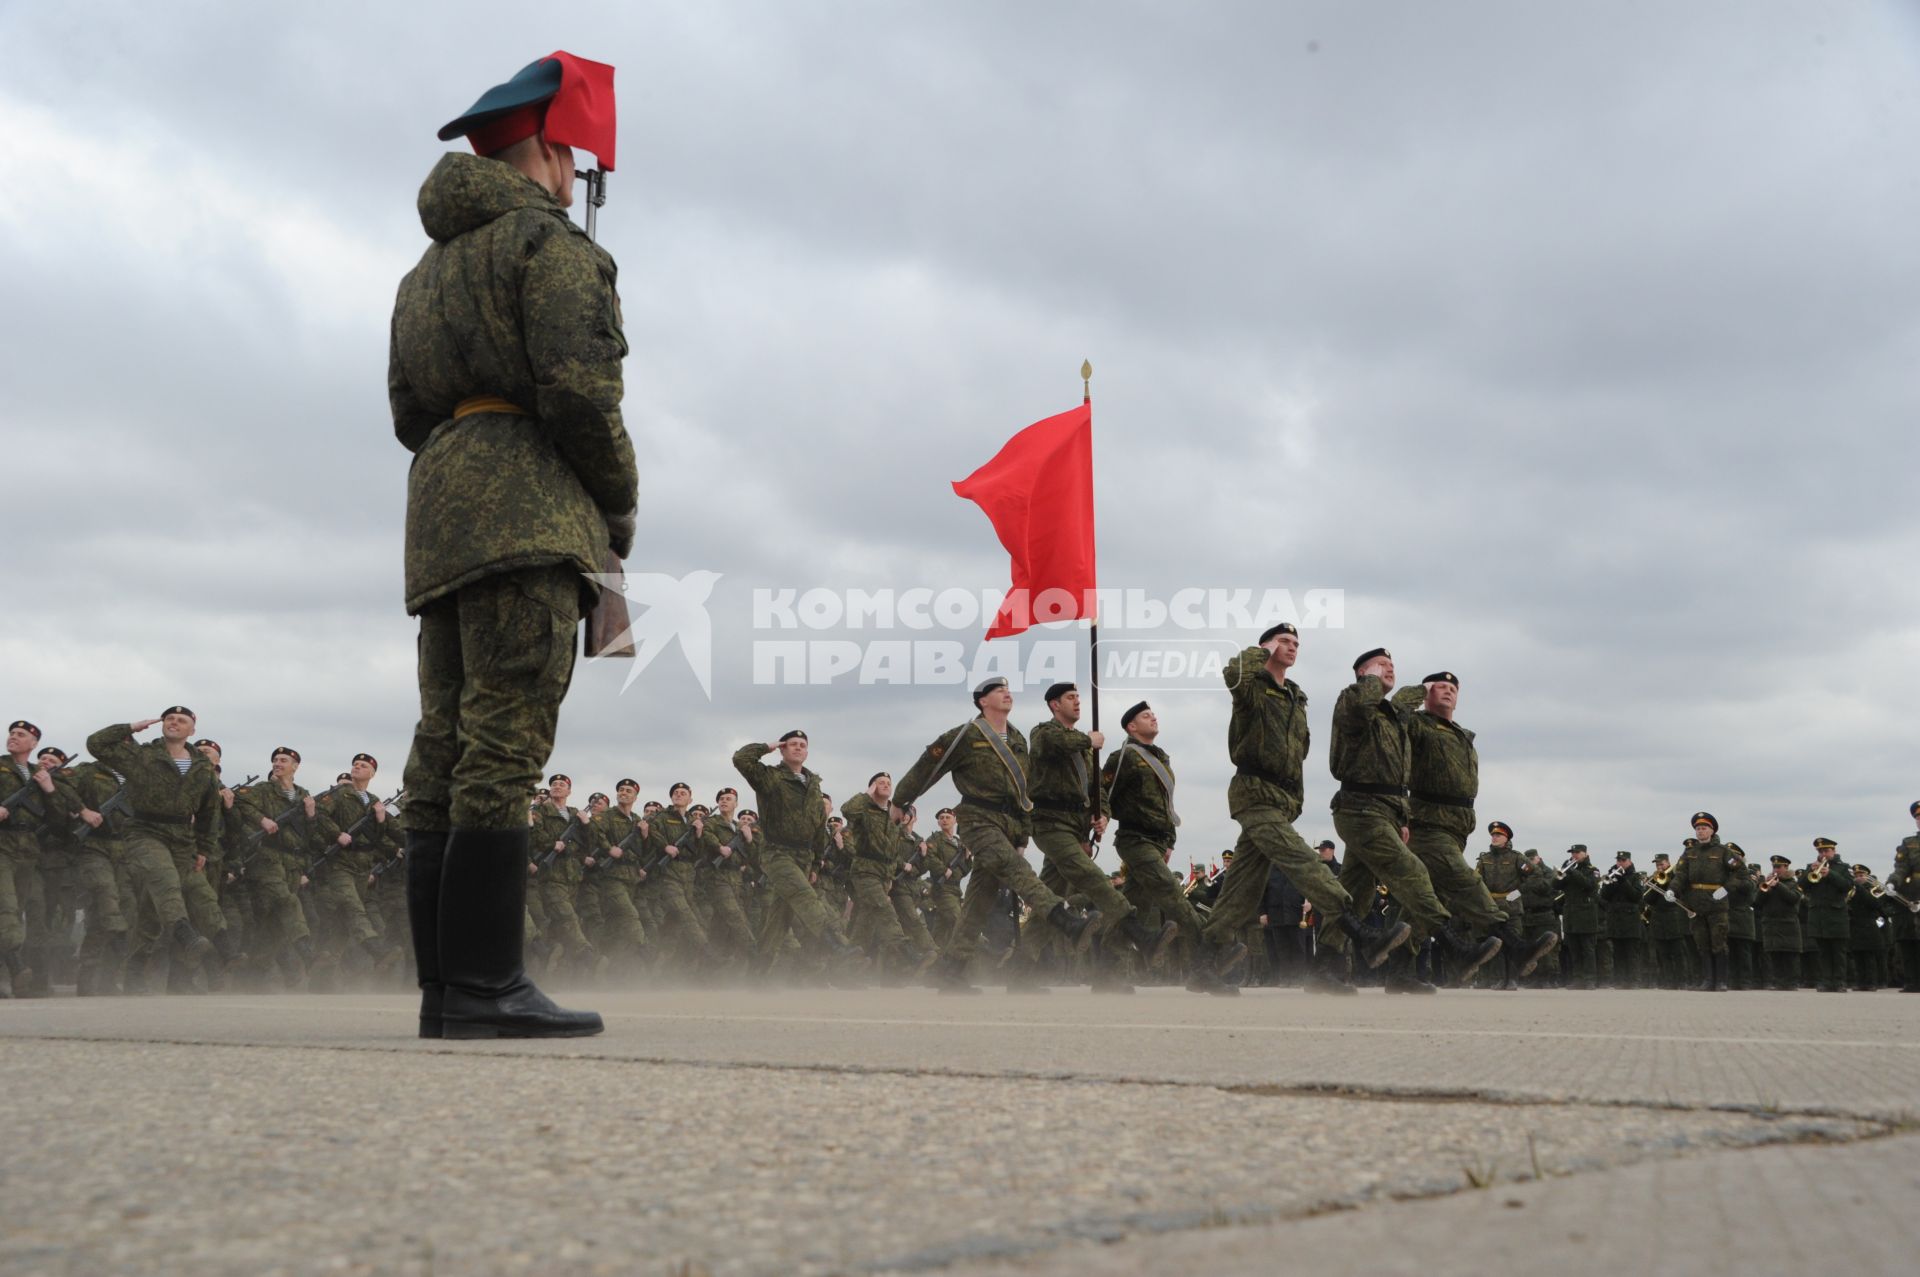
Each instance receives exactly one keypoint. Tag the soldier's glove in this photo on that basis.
(620, 529)
(1671, 898)
(1719, 893)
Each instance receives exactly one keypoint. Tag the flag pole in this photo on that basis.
(1093, 628)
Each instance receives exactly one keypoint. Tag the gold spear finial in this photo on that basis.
(1086, 377)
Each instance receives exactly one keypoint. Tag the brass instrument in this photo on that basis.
(1816, 871)
(1766, 884)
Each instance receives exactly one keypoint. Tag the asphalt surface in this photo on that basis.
(822, 1131)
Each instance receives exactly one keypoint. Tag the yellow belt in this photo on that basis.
(486, 403)
(1706, 886)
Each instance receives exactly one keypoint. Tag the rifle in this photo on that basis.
(567, 835)
(609, 861)
(26, 797)
(294, 810)
(334, 848)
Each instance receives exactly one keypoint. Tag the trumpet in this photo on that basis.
(1816, 871)
(1766, 884)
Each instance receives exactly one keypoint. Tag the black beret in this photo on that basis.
(1285, 627)
(1824, 842)
(1444, 676)
(288, 750)
(944, 811)
(1500, 827)
(557, 777)
(1126, 719)
(725, 791)
(21, 724)
(625, 781)
(208, 740)
(795, 734)
(1913, 808)
(1368, 655)
(1705, 817)
(53, 749)
(1058, 690)
(1324, 842)
(986, 687)
(592, 797)
(342, 778)
(679, 784)
(877, 776)
(172, 709)
(367, 758)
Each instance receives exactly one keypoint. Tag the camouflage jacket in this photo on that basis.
(673, 828)
(511, 300)
(550, 822)
(1058, 788)
(37, 809)
(1905, 877)
(1267, 737)
(1371, 747)
(1704, 868)
(298, 838)
(1499, 869)
(870, 837)
(988, 794)
(791, 811)
(337, 812)
(1140, 802)
(177, 808)
(614, 826)
(1445, 777)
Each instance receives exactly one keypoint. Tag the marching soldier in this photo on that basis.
(1905, 880)
(352, 829)
(1068, 805)
(273, 844)
(789, 801)
(1139, 782)
(1267, 742)
(1825, 884)
(561, 840)
(504, 381)
(871, 833)
(719, 878)
(1776, 908)
(23, 956)
(618, 841)
(103, 948)
(988, 760)
(673, 845)
(1699, 884)
(948, 864)
(1372, 758)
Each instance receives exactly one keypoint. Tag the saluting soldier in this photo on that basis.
(504, 382)
(987, 758)
(1069, 806)
(1776, 907)
(1905, 880)
(1372, 758)
(1700, 882)
(1139, 783)
(789, 800)
(22, 925)
(1826, 884)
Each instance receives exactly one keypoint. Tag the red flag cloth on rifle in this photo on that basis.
(1038, 493)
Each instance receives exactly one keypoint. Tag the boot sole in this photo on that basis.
(1467, 973)
(1526, 968)
(1157, 947)
(1395, 938)
(455, 1031)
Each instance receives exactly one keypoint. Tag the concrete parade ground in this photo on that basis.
(816, 1131)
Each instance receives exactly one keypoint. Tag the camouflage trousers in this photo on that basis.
(996, 863)
(906, 907)
(679, 922)
(1375, 855)
(338, 893)
(562, 924)
(1444, 856)
(876, 927)
(794, 901)
(620, 927)
(1709, 926)
(1153, 886)
(99, 896)
(944, 904)
(1066, 854)
(495, 660)
(1267, 841)
(727, 926)
(13, 929)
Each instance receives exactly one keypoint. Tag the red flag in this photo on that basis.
(1038, 493)
(582, 112)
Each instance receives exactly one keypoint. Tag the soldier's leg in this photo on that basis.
(873, 914)
(798, 904)
(563, 920)
(983, 890)
(1374, 839)
(340, 899)
(729, 930)
(1076, 872)
(681, 923)
(626, 934)
(1268, 839)
(906, 908)
(1455, 883)
(1158, 887)
(13, 929)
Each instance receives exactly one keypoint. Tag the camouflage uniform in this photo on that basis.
(558, 881)
(263, 866)
(1443, 783)
(717, 883)
(507, 506)
(790, 809)
(948, 864)
(1144, 810)
(671, 831)
(340, 880)
(991, 819)
(612, 880)
(23, 935)
(104, 946)
(176, 817)
(1372, 758)
(875, 927)
(1061, 771)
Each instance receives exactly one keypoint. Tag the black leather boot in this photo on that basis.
(188, 943)
(426, 856)
(483, 910)
(950, 976)
(1719, 961)
(1371, 945)
(1467, 955)
(1527, 954)
(1328, 974)
(1075, 926)
(1150, 945)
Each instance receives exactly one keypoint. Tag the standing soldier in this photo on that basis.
(1501, 869)
(1700, 881)
(1067, 806)
(1742, 931)
(1905, 880)
(788, 799)
(1443, 784)
(987, 758)
(1826, 884)
(1267, 742)
(1139, 782)
(1537, 892)
(1581, 911)
(1669, 931)
(1372, 758)
(504, 381)
(1865, 921)
(1620, 896)
(1777, 910)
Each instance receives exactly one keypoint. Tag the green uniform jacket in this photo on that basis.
(1059, 777)
(614, 826)
(1139, 801)
(37, 809)
(1740, 895)
(181, 810)
(792, 815)
(1536, 893)
(94, 786)
(549, 823)
(297, 841)
(671, 827)
(1622, 901)
(1866, 920)
(336, 814)
(1371, 746)
(1778, 911)
(988, 794)
(1499, 869)
(1445, 778)
(1581, 885)
(1267, 737)
(869, 836)
(947, 856)
(1905, 879)
(1827, 902)
(511, 300)
(1704, 868)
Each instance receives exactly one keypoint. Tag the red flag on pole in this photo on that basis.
(1038, 493)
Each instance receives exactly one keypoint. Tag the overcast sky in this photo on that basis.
(1576, 344)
